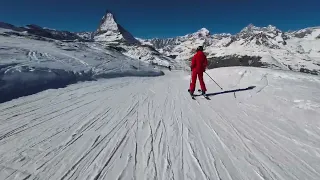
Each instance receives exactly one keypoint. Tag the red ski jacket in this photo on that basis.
(199, 62)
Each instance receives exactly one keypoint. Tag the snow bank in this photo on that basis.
(22, 81)
(244, 77)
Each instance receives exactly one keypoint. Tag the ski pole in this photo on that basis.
(214, 81)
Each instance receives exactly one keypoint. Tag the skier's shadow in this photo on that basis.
(230, 91)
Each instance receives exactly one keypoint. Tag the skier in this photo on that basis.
(169, 67)
(199, 64)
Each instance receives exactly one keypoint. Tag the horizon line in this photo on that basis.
(156, 37)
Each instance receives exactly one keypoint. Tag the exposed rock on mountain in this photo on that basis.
(110, 31)
(296, 50)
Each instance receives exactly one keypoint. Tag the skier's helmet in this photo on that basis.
(200, 48)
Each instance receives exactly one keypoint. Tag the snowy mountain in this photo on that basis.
(89, 55)
(111, 34)
(110, 31)
(264, 124)
(269, 37)
(181, 47)
(29, 65)
(37, 32)
(33, 58)
(258, 46)
(307, 33)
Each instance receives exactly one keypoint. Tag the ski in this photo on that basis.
(192, 96)
(204, 95)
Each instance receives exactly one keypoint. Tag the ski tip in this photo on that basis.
(206, 97)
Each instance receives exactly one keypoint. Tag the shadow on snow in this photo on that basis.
(230, 91)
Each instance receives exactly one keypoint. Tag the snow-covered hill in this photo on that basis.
(33, 58)
(109, 34)
(38, 33)
(86, 35)
(150, 128)
(28, 66)
(262, 46)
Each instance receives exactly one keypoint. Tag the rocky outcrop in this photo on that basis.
(235, 60)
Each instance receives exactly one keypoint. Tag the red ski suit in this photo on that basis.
(199, 63)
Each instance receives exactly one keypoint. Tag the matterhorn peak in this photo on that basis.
(110, 30)
(108, 23)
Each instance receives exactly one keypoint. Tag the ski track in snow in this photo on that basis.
(150, 128)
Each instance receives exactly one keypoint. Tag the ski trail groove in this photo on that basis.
(150, 128)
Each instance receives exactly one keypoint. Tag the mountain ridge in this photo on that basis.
(290, 50)
(293, 50)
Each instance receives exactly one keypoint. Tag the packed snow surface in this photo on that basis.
(264, 125)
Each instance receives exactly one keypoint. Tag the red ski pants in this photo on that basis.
(194, 80)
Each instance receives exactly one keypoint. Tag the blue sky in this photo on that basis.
(163, 18)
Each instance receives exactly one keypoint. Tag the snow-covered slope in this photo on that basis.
(150, 128)
(307, 33)
(298, 50)
(37, 32)
(109, 34)
(35, 58)
(28, 66)
(86, 35)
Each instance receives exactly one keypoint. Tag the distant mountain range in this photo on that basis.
(252, 46)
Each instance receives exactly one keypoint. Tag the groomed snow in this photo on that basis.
(150, 128)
